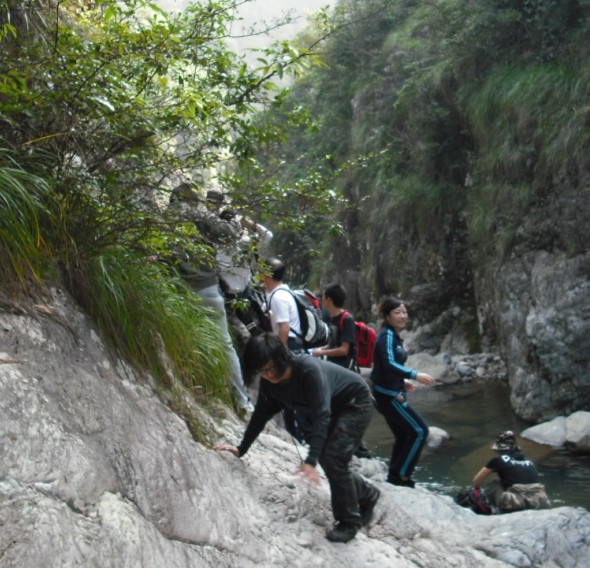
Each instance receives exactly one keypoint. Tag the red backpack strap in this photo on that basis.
(342, 316)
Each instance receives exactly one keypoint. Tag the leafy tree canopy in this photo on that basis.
(105, 108)
(113, 105)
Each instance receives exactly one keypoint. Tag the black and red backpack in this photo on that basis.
(365, 342)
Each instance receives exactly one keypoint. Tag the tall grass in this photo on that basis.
(156, 322)
(23, 251)
(532, 117)
(530, 124)
(496, 211)
(150, 317)
(418, 206)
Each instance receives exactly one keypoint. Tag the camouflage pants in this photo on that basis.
(519, 497)
(348, 490)
(524, 496)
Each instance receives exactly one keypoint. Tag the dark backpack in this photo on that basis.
(315, 332)
(476, 500)
(252, 310)
(366, 337)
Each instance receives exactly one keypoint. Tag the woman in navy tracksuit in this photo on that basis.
(392, 380)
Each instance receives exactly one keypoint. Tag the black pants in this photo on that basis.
(410, 433)
(348, 490)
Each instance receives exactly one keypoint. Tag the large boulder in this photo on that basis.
(572, 431)
(577, 430)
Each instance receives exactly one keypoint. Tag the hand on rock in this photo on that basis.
(309, 473)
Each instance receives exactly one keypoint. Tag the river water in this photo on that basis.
(473, 415)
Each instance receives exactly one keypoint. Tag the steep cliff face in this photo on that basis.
(535, 301)
(507, 250)
(542, 320)
(466, 126)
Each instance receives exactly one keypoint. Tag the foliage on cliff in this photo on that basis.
(446, 122)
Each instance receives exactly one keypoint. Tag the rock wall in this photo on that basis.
(533, 298)
(541, 311)
(96, 471)
(528, 300)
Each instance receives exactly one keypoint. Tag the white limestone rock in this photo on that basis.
(552, 433)
(577, 430)
(96, 471)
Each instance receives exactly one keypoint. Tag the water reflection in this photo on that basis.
(474, 414)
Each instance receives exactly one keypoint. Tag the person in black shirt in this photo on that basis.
(512, 467)
(339, 404)
(341, 348)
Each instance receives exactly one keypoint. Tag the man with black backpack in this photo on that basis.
(282, 307)
(286, 325)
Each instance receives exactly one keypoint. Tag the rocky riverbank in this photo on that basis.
(96, 471)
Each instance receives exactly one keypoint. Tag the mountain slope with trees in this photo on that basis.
(97, 467)
(458, 133)
(438, 152)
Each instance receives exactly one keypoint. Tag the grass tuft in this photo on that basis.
(23, 252)
(156, 322)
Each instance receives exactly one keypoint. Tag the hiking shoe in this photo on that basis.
(342, 532)
(366, 509)
(395, 479)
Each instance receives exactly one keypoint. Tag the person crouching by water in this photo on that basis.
(518, 485)
(339, 405)
(391, 382)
